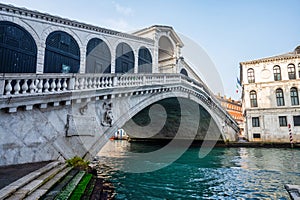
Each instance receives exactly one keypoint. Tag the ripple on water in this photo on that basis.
(226, 173)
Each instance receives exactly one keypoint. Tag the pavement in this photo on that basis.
(11, 173)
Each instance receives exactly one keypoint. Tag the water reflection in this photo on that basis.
(226, 173)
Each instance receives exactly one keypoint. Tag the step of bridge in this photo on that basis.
(33, 185)
(12, 188)
(49, 180)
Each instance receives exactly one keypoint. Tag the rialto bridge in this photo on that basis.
(66, 87)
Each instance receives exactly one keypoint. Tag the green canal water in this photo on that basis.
(225, 173)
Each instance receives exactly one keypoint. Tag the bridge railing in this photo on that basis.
(12, 85)
(29, 85)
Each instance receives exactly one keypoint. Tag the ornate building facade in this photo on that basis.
(271, 97)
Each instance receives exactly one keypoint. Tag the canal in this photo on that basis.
(225, 173)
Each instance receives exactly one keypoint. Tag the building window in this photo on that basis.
(255, 121)
(294, 96)
(251, 77)
(299, 70)
(282, 121)
(253, 99)
(256, 135)
(144, 61)
(277, 73)
(279, 97)
(291, 71)
(296, 120)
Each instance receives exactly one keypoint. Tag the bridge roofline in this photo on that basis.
(24, 12)
(170, 29)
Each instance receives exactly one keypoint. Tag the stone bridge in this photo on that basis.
(66, 87)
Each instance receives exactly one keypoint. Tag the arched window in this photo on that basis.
(279, 97)
(145, 61)
(184, 72)
(277, 73)
(294, 96)
(18, 51)
(98, 57)
(124, 59)
(253, 99)
(291, 71)
(251, 77)
(62, 53)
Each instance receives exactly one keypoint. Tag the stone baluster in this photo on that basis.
(25, 86)
(120, 81)
(53, 85)
(76, 86)
(8, 87)
(110, 83)
(106, 82)
(103, 82)
(64, 85)
(58, 85)
(32, 86)
(17, 87)
(80, 86)
(90, 83)
(40, 86)
(86, 83)
(46, 85)
(94, 82)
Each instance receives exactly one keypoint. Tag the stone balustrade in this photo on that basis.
(17, 90)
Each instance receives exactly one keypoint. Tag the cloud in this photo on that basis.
(122, 9)
(117, 24)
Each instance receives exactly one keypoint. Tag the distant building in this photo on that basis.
(234, 108)
(271, 97)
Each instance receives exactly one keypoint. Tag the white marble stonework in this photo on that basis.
(265, 87)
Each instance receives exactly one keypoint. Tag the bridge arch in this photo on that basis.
(166, 49)
(173, 94)
(124, 58)
(18, 49)
(98, 57)
(135, 107)
(62, 53)
(145, 62)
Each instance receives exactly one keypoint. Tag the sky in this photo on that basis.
(229, 31)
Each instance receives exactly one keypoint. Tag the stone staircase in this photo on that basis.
(54, 181)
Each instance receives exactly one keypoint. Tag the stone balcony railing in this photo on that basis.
(28, 90)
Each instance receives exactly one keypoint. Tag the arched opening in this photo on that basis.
(98, 57)
(294, 96)
(62, 53)
(18, 50)
(166, 55)
(277, 73)
(184, 72)
(145, 61)
(251, 76)
(253, 99)
(291, 71)
(124, 59)
(279, 97)
(172, 120)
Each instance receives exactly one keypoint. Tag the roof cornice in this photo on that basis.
(55, 19)
(276, 58)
